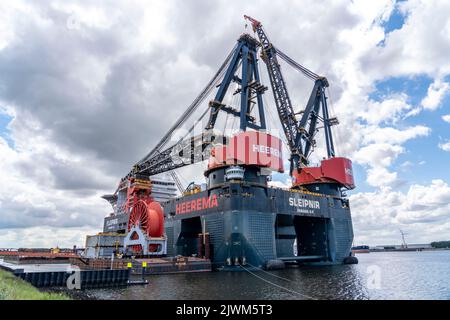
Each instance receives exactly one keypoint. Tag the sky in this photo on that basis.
(87, 89)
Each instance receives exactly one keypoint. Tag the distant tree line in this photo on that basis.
(441, 244)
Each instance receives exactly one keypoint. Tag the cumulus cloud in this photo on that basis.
(379, 176)
(386, 210)
(388, 110)
(378, 154)
(446, 118)
(410, 50)
(375, 134)
(445, 146)
(382, 146)
(45, 237)
(378, 157)
(287, 183)
(34, 192)
(436, 92)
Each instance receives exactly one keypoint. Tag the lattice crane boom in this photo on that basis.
(241, 67)
(299, 132)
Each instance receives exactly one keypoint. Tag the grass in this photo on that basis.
(13, 288)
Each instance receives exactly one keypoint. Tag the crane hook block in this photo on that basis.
(255, 23)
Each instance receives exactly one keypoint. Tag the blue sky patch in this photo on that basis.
(360, 178)
(415, 87)
(422, 155)
(4, 131)
(395, 21)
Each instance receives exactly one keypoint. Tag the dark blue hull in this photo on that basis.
(252, 225)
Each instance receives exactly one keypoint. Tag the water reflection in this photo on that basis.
(399, 275)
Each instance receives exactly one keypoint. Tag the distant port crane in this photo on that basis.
(404, 244)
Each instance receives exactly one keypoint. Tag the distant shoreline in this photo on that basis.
(408, 249)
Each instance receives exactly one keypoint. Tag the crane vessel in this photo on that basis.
(237, 219)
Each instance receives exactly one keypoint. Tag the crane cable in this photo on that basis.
(269, 273)
(337, 132)
(308, 73)
(312, 76)
(194, 105)
(213, 82)
(234, 102)
(277, 285)
(149, 157)
(273, 121)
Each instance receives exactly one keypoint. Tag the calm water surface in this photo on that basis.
(379, 275)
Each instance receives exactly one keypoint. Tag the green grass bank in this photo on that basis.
(13, 288)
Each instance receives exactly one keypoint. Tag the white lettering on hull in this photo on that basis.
(304, 203)
(112, 222)
(266, 150)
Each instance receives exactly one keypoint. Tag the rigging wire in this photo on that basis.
(274, 120)
(269, 273)
(206, 91)
(267, 110)
(336, 133)
(194, 105)
(184, 181)
(234, 103)
(180, 140)
(232, 126)
(225, 124)
(277, 285)
(308, 73)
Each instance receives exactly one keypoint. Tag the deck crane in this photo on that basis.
(177, 181)
(247, 220)
(300, 133)
(239, 67)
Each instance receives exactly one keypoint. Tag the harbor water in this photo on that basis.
(379, 275)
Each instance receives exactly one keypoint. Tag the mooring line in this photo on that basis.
(269, 273)
(276, 285)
